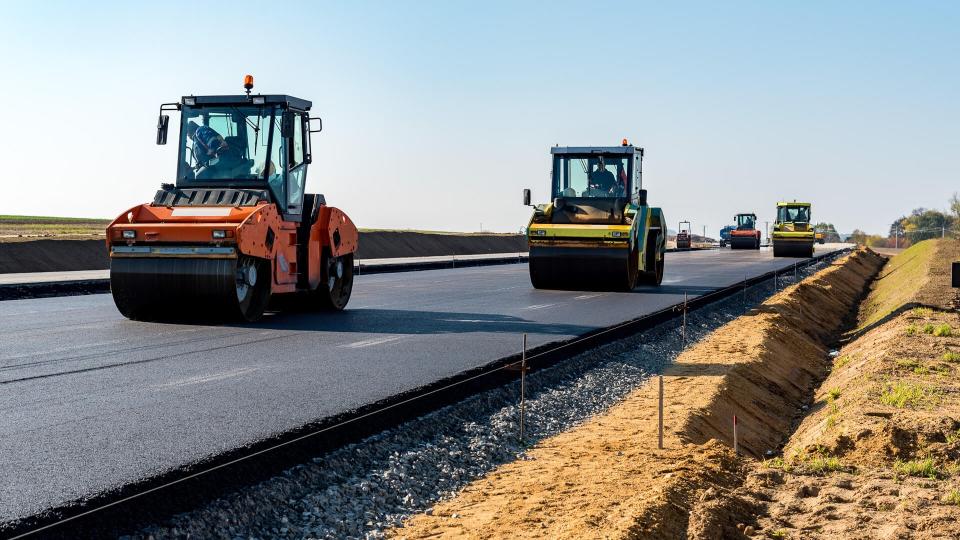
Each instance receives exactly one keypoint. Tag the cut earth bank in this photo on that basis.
(71, 255)
(872, 452)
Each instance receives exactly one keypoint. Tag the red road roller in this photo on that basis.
(745, 235)
(236, 230)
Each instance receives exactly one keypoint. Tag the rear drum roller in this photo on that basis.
(336, 282)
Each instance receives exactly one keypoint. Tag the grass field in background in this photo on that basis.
(13, 227)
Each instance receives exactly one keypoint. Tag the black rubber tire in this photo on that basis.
(335, 287)
(654, 278)
(632, 270)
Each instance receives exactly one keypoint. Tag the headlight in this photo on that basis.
(189, 101)
(617, 234)
(129, 235)
(219, 234)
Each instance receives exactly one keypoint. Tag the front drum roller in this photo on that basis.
(792, 249)
(584, 269)
(186, 288)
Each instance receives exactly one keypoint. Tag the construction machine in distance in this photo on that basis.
(684, 237)
(725, 235)
(745, 235)
(819, 235)
(793, 234)
(598, 233)
(236, 229)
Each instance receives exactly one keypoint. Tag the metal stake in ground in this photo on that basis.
(735, 449)
(660, 417)
(523, 382)
(683, 330)
(744, 289)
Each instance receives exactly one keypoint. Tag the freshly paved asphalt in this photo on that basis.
(91, 401)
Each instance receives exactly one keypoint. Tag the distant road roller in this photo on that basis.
(793, 236)
(684, 237)
(236, 230)
(745, 235)
(598, 233)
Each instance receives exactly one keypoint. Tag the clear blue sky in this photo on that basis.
(437, 114)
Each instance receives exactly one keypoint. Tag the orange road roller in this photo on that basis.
(236, 232)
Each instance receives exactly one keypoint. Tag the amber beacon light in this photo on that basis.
(248, 83)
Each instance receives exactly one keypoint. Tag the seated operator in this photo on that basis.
(602, 180)
(208, 148)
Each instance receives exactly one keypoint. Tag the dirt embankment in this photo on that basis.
(878, 456)
(607, 479)
(69, 255)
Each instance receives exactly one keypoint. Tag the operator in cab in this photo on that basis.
(601, 179)
(208, 146)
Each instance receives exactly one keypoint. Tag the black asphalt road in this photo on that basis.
(90, 401)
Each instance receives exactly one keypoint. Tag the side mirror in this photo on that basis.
(526, 197)
(163, 123)
(319, 122)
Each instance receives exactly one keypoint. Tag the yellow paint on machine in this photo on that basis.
(550, 230)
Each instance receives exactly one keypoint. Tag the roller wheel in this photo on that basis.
(336, 282)
(654, 277)
(252, 287)
(633, 270)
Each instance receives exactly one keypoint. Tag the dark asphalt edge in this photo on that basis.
(230, 471)
(23, 291)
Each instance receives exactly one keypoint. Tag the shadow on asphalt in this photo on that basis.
(399, 321)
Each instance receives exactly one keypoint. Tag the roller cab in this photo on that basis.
(597, 233)
(793, 235)
(745, 234)
(235, 232)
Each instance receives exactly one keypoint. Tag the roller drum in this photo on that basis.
(583, 269)
(743, 242)
(189, 288)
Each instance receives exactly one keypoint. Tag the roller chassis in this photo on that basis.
(229, 247)
(588, 241)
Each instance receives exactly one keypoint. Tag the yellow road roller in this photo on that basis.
(793, 235)
(597, 233)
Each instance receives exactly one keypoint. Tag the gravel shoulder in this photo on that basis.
(606, 478)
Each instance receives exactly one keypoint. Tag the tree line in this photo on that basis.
(922, 224)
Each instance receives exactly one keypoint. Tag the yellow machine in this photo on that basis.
(793, 235)
(598, 233)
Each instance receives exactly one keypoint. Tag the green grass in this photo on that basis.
(917, 467)
(928, 328)
(911, 330)
(953, 497)
(904, 394)
(908, 363)
(779, 533)
(898, 282)
(922, 312)
(841, 361)
(833, 394)
(953, 437)
(943, 330)
(951, 356)
(821, 464)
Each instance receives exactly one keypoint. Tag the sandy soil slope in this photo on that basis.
(607, 479)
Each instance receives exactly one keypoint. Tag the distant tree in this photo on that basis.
(955, 209)
(858, 237)
(922, 224)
